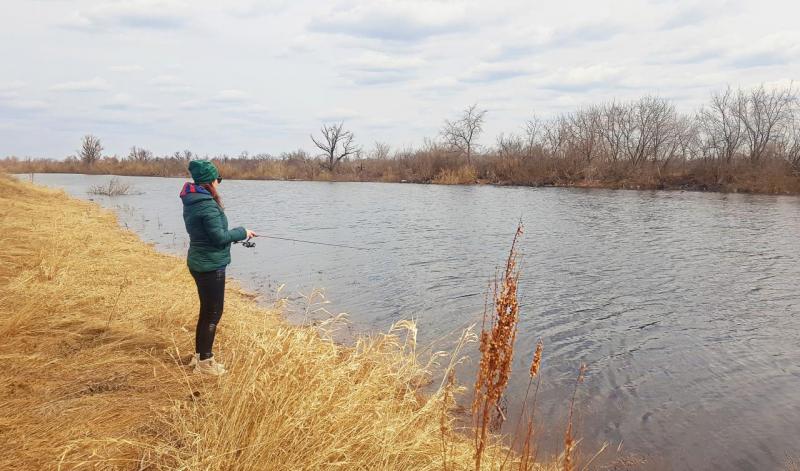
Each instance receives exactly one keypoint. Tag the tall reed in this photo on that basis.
(569, 439)
(498, 332)
(527, 457)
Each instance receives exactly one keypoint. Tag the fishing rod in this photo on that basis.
(248, 244)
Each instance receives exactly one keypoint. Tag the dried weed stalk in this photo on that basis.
(497, 350)
(569, 440)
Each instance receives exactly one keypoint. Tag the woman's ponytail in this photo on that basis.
(214, 194)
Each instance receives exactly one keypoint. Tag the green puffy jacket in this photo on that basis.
(209, 237)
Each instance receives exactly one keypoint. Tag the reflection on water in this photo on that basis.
(684, 305)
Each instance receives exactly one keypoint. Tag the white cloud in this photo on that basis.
(170, 84)
(691, 16)
(196, 67)
(580, 78)
(773, 49)
(232, 96)
(488, 72)
(373, 68)
(410, 20)
(9, 87)
(126, 102)
(23, 105)
(229, 101)
(779, 84)
(126, 68)
(250, 9)
(96, 84)
(530, 40)
(378, 61)
(13, 99)
(337, 115)
(135, 14)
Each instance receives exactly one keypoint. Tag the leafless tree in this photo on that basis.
(663, 130)
(336, 144)
(789, 143)
(721, 126)
(185, 155)
(763, 114)
(554, 135)
(510, 145)
(583, 133)
(298, 155)
(533, 130)
(635, 123)
(462, 134)
(686, 133)
(138, 154)
(381, 151)
(91, 149)
(610, 127)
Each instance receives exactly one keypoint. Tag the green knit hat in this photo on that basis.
(203, 171)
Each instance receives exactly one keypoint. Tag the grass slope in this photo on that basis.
(95, 329)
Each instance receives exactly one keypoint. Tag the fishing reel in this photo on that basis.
(246, 243)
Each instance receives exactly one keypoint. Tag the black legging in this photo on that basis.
(211, 289)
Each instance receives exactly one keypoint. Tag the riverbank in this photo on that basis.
(99, 325)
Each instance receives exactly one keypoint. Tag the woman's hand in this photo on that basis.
(250, 234)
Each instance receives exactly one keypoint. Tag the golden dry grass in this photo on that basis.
(463, 175)
(95, 323)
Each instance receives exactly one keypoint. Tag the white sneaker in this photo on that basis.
(196, 358)
(209, 367)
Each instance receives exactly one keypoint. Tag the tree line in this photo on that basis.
(740, 140)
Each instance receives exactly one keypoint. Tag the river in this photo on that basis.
(685, 306)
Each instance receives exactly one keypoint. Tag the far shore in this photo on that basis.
(768, 185)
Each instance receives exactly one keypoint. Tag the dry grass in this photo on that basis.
(463, 175)
(96, 323)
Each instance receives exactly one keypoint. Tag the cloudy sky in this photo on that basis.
(225, 77)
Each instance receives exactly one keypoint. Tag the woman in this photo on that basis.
(209, 254)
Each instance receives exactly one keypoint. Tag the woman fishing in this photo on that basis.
(209, 254)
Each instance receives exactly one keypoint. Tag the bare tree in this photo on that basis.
(137, 154)
(462, 133)
(533, 129)
(185, 155)
(721, 125)
(510, 145)
(381, 151)
(336, 144)
(763, 113)
(554, 133)
(686, 135)
(91, 149)
(663, 130)
(583, 133)
(636, 123)
(789, 143)
(610, 127)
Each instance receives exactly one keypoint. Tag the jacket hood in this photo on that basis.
(192, 193)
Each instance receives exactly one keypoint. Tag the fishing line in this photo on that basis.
(248, 244)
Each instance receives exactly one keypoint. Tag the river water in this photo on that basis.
(685, 306)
